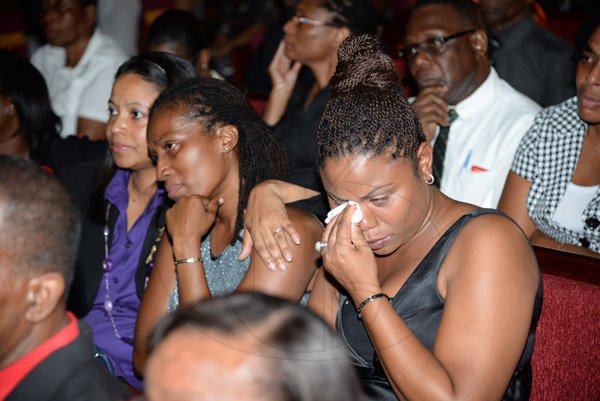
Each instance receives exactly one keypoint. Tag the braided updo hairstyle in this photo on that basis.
(213, 103)
(367, 113)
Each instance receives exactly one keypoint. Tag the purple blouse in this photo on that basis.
(124, 253)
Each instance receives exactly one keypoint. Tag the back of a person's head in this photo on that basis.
(358, 16)
(367, 113)
(181, 27)
(301, 358)
(39, 223)
(26, 88)
(467, 10)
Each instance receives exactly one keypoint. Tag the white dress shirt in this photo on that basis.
(483, 140)
(81, 91)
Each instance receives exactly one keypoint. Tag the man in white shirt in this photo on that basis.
(446, 50)
(79, 64)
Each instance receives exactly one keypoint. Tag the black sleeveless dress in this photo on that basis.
(419, 304)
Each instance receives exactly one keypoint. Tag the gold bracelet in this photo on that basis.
(188, 260)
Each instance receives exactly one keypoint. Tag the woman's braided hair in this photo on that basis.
(213, 103)
(367, 113)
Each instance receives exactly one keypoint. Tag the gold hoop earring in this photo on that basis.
(431, 179)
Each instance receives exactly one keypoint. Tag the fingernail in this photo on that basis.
(221, 201)
(282, 266)
(271, 266)
(288, 257)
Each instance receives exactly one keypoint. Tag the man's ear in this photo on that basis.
(44, 293)
(89, 16)
(228, 135)
(479, 42)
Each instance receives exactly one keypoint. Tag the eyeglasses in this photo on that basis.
(298, 20)
(432, 46)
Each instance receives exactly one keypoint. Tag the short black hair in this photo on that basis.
(358, 16)
(367, 113)
(212, 102)
(26, 88)
(39, 223)
(468, 10)
(309, 361)
(182, 27)
(85, 3)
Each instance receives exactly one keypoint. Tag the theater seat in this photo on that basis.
(566, 358)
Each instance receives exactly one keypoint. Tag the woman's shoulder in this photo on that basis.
(558, 119)
(492, 238)
(303, 220)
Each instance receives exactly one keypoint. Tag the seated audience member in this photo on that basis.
(298, 95)
(532, 59)
(44, 353)
(28, 126)
(211, 149)
(553, 190)
(248, 346)
(437, 299)
(125, 216)
(79, 64)
(180, 32)
(446, 51)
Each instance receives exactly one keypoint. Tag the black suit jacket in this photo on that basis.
(70, 374)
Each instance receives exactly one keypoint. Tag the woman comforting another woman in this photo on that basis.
(210, 150)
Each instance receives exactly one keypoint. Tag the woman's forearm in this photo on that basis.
(276, 104)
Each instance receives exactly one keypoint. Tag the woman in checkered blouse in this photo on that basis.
(553, 190)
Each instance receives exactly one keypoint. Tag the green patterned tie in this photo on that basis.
(439, 149)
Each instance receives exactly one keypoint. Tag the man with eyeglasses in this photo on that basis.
(446, 50)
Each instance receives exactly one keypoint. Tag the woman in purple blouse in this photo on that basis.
(125, 214)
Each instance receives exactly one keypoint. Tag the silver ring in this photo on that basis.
(320, 245)
(277, 230)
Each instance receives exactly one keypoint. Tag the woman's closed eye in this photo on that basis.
(380, 200)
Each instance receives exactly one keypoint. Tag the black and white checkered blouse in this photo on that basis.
(547, 157)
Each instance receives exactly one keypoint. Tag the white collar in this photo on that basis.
(92, 47)
(481, 97)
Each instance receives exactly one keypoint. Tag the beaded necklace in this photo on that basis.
(107, 267)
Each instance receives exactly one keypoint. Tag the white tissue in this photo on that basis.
(356, 217)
